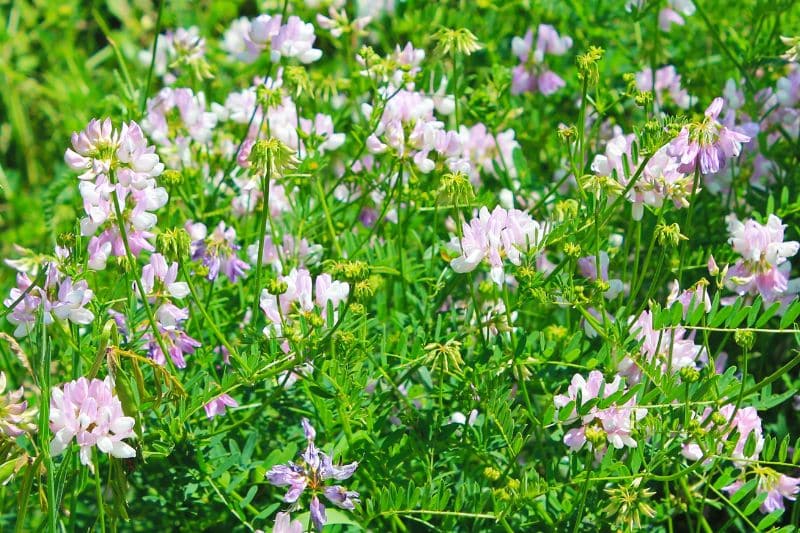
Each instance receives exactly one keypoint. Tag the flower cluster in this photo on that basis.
(246, 39)
(707, 144)
(669, 350)
(764, 264)
(532, 74)
(118, 168)
(314, 468)
(491, 237)
(666, 86)
(175, 118)
(777, 487)
(661, 178)
(723, 423)
(177, 50)
(298, 297)
(159, 282)
(59, 297)
(217, 251)
(292, 251)
(612, 425)
(91, 413)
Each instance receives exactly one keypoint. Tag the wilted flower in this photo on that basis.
(15, 417)
(459, 41)
(91, 413)
(627, 505)
(314, 468)
(793, 53)
(217, 406)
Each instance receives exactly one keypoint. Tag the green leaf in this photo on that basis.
(753, 314)
(743, 491)
(784, 449)
(248, 497)
(755, 503)
(770, 519)
(769, 312)
(790, 315)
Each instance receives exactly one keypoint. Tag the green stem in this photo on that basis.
(146, 91)
(324, 202)
(210, 321)
(262, 229)
(138, 282)
(98, 484)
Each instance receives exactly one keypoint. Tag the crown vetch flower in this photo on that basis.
(491, 237)
(314, 468)
(708, 143)
(116, 162)
(669, 348)
(532, 74)
(599, 427)
(764, 265)
(218, 251)
(298, 297)
(218, 405)
(777, 486)
(729, 419)
(91, 413)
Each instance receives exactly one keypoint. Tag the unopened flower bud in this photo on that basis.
(744, 338)
(171, 177)
(491, 473)
(277, 287)
(690, 374)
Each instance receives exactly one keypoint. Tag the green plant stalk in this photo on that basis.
(138, 282)
(688, 222)
(44, 428)
(146, 91)
(98, 484)
(324, 202)
(262, 231)
(210, 321)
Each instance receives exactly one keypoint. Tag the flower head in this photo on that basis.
(91, 413)
(218, 405)
(706, 143)
(764, 264)
(311, 472)
(599, 427)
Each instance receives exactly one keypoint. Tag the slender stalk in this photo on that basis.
(138, 282)
(98, 484)
(44, 429)
(262, 230)
(146, 91)
(210, 321)
(324, 202)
